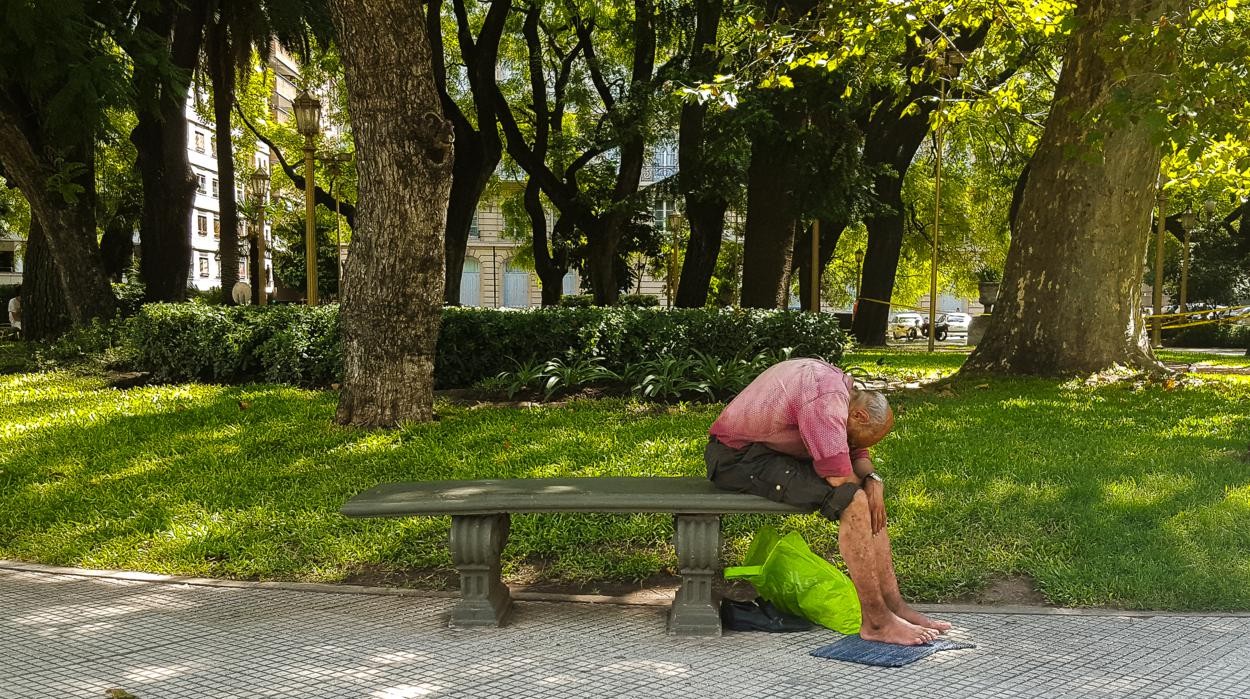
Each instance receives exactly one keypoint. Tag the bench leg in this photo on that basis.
(476, 542)
(697, 540)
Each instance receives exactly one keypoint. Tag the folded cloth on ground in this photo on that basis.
(856, 650)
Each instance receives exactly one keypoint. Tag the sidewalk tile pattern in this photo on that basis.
(65, 636)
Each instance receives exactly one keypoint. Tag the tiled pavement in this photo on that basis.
(65, 636)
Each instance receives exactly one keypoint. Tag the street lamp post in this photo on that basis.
(815, 265)
(334, 168)
(260, 188)
(1187, 223)
(947, 65)
(1156, 328)
(308, 122)
(674, 220)
(859, 274)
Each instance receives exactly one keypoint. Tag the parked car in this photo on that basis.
(905, 325)
(958, 323)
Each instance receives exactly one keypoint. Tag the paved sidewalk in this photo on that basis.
(72, 636)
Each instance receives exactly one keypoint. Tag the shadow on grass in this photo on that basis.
(1105, 496)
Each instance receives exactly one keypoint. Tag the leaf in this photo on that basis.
(845, 95)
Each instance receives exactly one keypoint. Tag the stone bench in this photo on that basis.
(480, 512)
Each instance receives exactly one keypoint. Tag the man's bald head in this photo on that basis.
(869, 418)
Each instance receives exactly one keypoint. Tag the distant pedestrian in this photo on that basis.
(15, 310)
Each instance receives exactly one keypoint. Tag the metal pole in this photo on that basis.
(262, 277)
(816, 266)
(937, 211)
(338, 246)
(1156, 330)
(1185, 274)
(310, 227)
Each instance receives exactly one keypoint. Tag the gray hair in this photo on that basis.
(875, 403)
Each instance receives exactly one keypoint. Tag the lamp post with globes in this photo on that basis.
(260, 189)
(1187, 224)
(308, 122)
(334, 168)
(859, 275)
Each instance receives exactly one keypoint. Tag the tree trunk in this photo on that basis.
(830, 233)
(550, 268)
(392, 309)
(44, 315)
(890, 147)
(160, 138)
(768, 240)
(220, 61)
(705, 206)
(68, 226)
(470, 174)
(117, 247)
(1072, 283)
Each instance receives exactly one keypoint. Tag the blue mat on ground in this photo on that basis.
(856, 650)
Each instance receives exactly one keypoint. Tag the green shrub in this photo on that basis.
(302, 346)
(577, 301)
(639, 301)
(1230, 335)
(106, 344)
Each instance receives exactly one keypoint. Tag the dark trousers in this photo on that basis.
(761, 471)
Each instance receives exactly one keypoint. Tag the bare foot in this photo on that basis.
(897, 631)
(906, 613)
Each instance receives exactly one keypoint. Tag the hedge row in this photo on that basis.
(1229, 335)
(300, 345)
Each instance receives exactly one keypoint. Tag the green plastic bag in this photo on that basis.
(785, 572)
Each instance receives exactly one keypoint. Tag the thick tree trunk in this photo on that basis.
(221, 72)
(891, 145)
(604, 241)
(68, 226)
(117, 247)
(44, 315)
(705, 207)
(768, 240)
(160, 138)
(830, 233)
(391, 313)
(1082, 227)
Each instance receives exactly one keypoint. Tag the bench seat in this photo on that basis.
(480, 512)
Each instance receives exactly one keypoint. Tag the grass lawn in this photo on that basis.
(1109, 495)
(1203, 358)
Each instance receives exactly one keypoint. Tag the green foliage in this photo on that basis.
(225, 344)
(473, 341)
(100, 345)
(577, 301)
(289, 264)
(1230, 335)
(638, 301)
(301, 345)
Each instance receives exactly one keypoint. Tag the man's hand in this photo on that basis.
(875, 490)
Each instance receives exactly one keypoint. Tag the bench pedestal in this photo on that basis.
(697, 540)
(476, 543)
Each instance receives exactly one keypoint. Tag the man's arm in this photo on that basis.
(874, 489)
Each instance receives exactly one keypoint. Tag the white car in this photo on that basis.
(957, 323)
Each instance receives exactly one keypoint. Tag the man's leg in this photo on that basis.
(888, 583)
(860, 551)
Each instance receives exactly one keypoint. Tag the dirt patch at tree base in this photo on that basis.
(1016, 590)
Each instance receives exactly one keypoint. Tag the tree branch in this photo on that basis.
(320, 196)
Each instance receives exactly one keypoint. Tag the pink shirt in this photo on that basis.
(797, 407)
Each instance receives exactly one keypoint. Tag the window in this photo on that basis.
(203, 265)
(216, 227)
(212, 143)
(199, 141)
(243, 268)
(663, 209)
(470, 282)
(201, 184)
(217, 264)
(7, 260)
(201, 224)
(216, 187)
(569, 284)
(474, 231)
